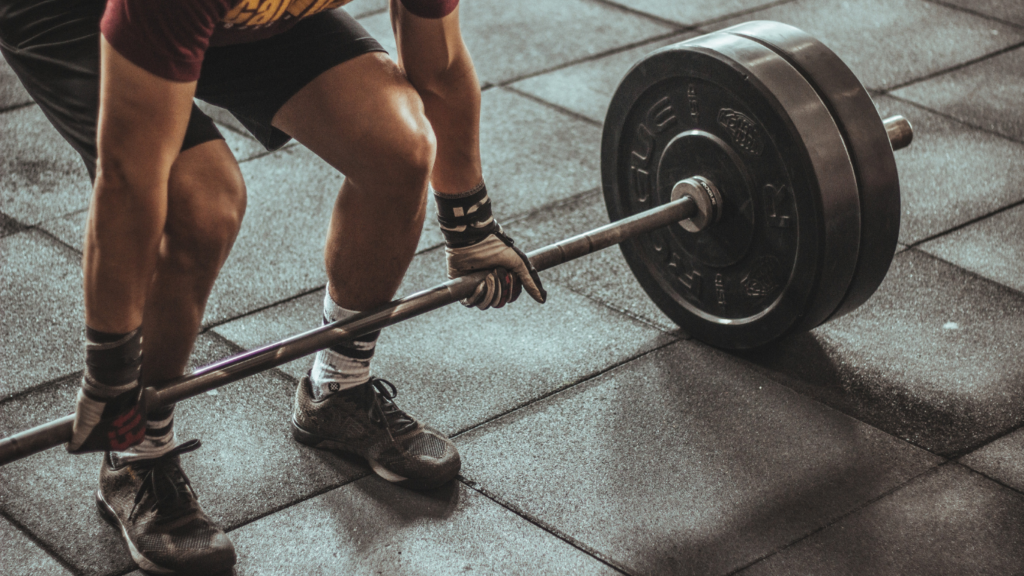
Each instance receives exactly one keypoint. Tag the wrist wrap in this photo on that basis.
(465, 219)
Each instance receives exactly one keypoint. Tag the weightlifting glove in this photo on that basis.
(475, 241)
(110, 413)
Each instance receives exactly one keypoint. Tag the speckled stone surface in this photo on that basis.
(984, 94)
(593, 435)
(947, 522)
(41, 175)
(1008, 10)
(42, 310)
(604, 275)
(248, 466)
(951, 174)
(22, 557)
(1001, 460)
(12, 93)
(587, 88)
(992, 248)
(456, 366)
(370, 527)
(694, 13)
(890, 42)
(510, 40)
(684, 462)
(933, 357)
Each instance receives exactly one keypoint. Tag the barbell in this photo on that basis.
(751, 185)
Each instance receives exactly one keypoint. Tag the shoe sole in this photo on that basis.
(315, 441)
(110, 516)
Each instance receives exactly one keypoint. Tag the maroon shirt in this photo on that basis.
(170, 37)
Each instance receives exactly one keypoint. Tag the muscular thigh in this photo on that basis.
(254, 80)
(363, 117)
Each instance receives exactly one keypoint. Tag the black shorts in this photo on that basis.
(53, 47)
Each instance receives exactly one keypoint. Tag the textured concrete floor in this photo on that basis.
(596, 438)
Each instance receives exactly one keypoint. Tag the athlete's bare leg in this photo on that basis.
(366, 120)
(205, 204)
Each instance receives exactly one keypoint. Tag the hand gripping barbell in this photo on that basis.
(751, 185)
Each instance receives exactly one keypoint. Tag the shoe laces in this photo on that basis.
(165, 481)
(388, 413)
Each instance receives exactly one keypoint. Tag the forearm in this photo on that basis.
(122, 241)
(439, 66)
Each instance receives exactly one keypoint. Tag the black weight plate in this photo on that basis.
(731, 110)
(866, 141)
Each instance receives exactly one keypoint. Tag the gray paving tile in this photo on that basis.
(42, 310)
(1008, 10)
(534, 155)
(222, 116)
(684, 462)
(41, 175)
(692, 13)
(948, 522)
(248, 466)
(511, 40)
(992, 248)
(360, 8)
(951, 174)
(370, 527)
(22, 557)
(1001, 460)
(984, 94)
(603, 276)
(69, 229)
(889, 42)
(457, 366)
(12, 93)
(933, 357)
(586, 88)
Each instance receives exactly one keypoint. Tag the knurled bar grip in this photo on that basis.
(235, 368)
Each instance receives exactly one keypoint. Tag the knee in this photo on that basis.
(409, 154)
(202, 224)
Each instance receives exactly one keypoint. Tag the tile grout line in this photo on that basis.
(593, 553)
(949, 117)
(20, 394)
(991, 478)
(647, 15)
(587, 58)
(952, 68)
(841, 517)
(975, 13)
(701, 25)
(553, 106)
(15, 107)
(40, 543)
(582, 380)
(976, 275)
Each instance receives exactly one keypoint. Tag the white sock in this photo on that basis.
(345, 365)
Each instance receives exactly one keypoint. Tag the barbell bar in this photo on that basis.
(694, 204)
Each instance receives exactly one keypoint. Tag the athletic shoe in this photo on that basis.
(364, 420)
(154, 505)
